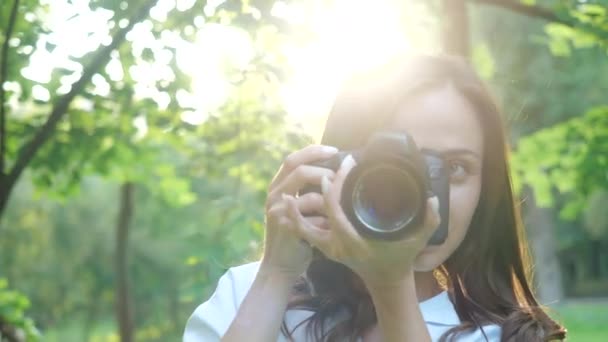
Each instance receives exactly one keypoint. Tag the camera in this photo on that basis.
(384, 196)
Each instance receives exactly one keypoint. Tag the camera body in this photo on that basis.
(384, 196)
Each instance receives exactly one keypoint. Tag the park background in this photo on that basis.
(137, 140)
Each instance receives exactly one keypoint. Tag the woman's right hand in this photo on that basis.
(285, 254)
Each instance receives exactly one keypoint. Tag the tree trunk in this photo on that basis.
(8, 332)
(541, 234)
(595, 259)
(124, 302)
(4, 195)
(8, 179)
(455, 28)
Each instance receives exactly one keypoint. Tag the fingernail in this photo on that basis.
(324, 184)
(329, 149)
(435, 204)
(348, 162)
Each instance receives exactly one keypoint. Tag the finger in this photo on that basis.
(338, 182)
(307, 203)
(318, 221)
(310, 204)
(331, 193)
(306, 155)
(315, 235)
(432, 218)
(301, 176)
(276, 211)
(285, 223)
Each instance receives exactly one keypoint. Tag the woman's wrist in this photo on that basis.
(270, 290)
(397, 309)
(384, 285)
(278, 275)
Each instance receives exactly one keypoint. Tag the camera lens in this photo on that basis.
(386, 198)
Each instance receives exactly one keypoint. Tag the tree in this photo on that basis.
(124, 305)
(28, 150)
(564, 165)
(576, 39)
(129, 138)
(578, 25)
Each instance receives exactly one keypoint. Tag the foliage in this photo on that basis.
(545, 74)
(129, 109)
(583, 25)
(544, 95)
(568, 157)
(13, 319)
(201, 164)
(535, 88)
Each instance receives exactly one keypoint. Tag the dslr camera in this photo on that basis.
(384, 196)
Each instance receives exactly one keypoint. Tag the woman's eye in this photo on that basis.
(457, 169)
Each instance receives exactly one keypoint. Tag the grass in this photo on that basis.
(104, 330)
(586, 320)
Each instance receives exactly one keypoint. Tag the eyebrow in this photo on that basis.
(459, 152)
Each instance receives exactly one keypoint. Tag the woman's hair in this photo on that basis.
(488, 275)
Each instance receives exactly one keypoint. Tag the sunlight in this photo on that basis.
(344, 37)
(216, 50)
(75, 30)
(348, 36)
(352, 36)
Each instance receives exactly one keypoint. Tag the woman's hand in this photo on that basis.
(285, 254)
(378, 263)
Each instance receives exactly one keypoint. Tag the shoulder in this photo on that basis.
(239, 279)
(490, 333)
(234, 285)
(440, 316)
(212, 318)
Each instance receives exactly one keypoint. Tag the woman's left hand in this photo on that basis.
(376, 262)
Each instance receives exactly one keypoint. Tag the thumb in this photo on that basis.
(432, 219)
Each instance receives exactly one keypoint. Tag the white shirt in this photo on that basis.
(212, 318)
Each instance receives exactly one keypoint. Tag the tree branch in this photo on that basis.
(61, 106)
(3, 77)
(530, 11)
(455, 30)
(546, 14)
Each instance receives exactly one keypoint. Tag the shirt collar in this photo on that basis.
(439, 310)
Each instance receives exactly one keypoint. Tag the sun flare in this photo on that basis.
(343, 37)
(352, 36)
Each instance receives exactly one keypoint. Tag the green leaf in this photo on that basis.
(483, 61)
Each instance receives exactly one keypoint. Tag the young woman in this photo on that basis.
(320, 280)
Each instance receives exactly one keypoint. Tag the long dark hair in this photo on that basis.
(488, 277)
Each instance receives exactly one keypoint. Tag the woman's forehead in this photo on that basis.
(441, 120)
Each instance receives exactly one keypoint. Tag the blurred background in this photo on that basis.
(138, 138)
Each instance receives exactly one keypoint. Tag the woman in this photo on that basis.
(340, 286)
